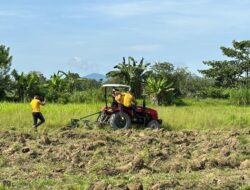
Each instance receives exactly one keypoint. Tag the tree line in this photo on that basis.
(162, 82)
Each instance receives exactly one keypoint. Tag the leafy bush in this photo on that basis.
(91, 95)
(87, 96)
(240, 96)
(212, 92)
(217, 93)
(52, 96)
(64, 98)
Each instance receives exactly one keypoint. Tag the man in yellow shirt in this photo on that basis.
(35, 105)
(119, 97)
(128, 98)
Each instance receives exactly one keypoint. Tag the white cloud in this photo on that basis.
(78, 63)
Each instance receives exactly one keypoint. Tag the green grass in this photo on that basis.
(207, 114)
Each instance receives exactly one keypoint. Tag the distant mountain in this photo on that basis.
(96, 76)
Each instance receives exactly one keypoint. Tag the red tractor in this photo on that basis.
(119, 117)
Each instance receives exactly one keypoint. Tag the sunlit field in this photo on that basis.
(196, 114)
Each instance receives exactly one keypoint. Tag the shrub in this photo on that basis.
(217, 93)
(64, 98)
(91, 95)
(240, 96)
(212, 92)
(52, 96)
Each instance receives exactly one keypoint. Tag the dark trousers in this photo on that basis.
(36, 116)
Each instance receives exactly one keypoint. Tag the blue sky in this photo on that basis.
(93, 36)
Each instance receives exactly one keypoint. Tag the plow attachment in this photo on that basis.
(86, 123)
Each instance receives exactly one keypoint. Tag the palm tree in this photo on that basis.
(156, 88)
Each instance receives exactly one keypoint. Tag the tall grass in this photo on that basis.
(208, 114)
(201, 115)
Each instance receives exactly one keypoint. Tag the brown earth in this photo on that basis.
(126, 159)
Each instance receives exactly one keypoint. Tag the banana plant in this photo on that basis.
(156, 87)
(130, 72)
(55, 82)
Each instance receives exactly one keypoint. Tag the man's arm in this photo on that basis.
(44, 102)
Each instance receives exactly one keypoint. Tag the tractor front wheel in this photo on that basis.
(153, 124)
(120, 120)
(102, 118)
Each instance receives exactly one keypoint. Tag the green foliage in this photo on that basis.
(5, 63)
(25, 86)
(214, 92)
(240, 96)
(230, 73)
(163, 70)
(195, 86)
(92, 95)
(132, 72)
(159, 89)
(225, 73)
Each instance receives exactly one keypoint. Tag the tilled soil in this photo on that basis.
(125, 159)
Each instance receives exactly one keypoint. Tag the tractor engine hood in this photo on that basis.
(153, 113)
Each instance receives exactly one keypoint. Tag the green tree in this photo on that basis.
(163, 69)
(5, 63)
(19, 85)
(25, 86)
(229, 73)
(71, 80)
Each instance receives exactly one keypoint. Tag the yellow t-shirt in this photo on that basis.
(127, 100)
(35, 104)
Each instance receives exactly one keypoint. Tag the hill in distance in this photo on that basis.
(96, 76)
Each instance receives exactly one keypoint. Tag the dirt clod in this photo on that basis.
(135, 186)
(25, 149)
(6, 183)
(137, 163)
(99, 186)
(245, 164)
(45, 140)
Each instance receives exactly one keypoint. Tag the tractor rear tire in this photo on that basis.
(120, 120)
(153, 124)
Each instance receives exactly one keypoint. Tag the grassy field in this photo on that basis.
(196, 114)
